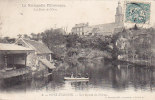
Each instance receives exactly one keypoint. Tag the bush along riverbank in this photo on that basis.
(78, 50)
(136, 46)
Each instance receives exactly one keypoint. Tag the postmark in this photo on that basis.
(137, 12)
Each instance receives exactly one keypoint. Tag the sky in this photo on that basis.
(23, 17)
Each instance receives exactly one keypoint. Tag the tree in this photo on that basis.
(55, 40)
(26, 36)
(7, 40)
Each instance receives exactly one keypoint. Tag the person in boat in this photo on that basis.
(79, 75)
(86, 75)
(72, 75)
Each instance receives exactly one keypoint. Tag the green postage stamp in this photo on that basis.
(137, 12)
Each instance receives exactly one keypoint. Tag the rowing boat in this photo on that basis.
(75, 78)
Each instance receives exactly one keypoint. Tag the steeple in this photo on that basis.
(119, 9)
(119, 15)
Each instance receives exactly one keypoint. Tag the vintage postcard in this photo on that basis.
(77, 49)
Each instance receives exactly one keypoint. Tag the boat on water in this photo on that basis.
(76, 78)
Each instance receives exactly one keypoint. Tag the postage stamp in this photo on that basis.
(137, 12)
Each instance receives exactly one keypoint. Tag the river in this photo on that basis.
(104, 76)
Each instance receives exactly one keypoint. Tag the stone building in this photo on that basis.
(13, 60)
(102, 29)
(39, 60)
(80, 29)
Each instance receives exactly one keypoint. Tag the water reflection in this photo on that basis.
(103, 76)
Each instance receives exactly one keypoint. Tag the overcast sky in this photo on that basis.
(25, 20)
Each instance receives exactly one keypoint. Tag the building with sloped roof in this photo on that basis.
(13, 60)
(101, 29)
(41, 58)
(38, 46)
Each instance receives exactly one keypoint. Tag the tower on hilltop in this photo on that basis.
(119, 15)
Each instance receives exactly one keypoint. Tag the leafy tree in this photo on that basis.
(7, 40)
(55, 40)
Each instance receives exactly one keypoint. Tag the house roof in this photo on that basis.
(39, 47)
(4, 46)
(104, 29)
(13, 48)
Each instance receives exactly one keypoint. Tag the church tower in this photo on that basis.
(119, 15)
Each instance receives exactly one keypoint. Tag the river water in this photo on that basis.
(104, 76)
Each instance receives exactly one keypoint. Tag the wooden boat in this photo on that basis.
(72, 78)
(75, 78)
